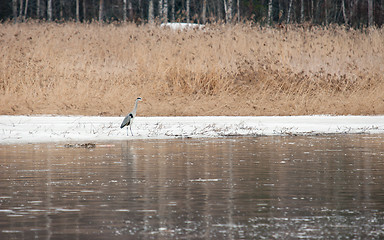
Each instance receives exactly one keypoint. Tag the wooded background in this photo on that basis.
(354, 13)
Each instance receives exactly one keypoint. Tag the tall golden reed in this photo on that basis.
(96, 69)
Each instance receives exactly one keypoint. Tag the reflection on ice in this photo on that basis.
(238, 188)
(6, 211)
(204, 180)
(65, 210)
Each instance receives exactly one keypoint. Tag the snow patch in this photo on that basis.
(183, 26)
(24, 129)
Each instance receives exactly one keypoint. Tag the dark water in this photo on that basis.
(318, 187)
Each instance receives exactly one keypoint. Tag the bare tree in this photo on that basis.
(160, 10)
(228, 10)
(229, 14)
(326, 12)
(61, 9)
(188, 11)
(165, 11)
(130, 10)
(270, 12)
(14, 9)
(150, 12)
(289, 11)
(101, 10)
(204, 11)
(127, 4)
(345, 16)
(302, 11)
(312, 10)
(49, 10)
(124, 10)
(77, 11)
(84, 10)
(26, 9)
(370, 13)
(173, 10)
(38, 8)
(21, 9)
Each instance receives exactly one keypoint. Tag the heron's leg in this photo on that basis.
(127, 131)
(131, 129)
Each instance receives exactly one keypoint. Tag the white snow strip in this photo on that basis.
(31, 129)
(183, 26)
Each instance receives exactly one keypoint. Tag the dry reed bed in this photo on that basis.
(93, 69)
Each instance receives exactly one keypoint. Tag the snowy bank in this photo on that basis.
(30, 129)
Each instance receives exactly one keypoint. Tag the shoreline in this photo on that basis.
(46, 128)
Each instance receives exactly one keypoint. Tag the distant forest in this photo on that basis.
(354, 13)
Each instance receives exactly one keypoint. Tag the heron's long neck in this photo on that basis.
(134, 109)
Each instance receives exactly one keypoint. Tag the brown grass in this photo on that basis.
(93, 69)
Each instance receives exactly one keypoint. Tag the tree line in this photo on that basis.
(355, 13)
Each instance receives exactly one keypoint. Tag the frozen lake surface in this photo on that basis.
(30, 129)
(264, 187)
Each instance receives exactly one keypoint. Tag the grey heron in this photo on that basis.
(128, 120)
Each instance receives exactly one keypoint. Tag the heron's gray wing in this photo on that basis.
(127, 120)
